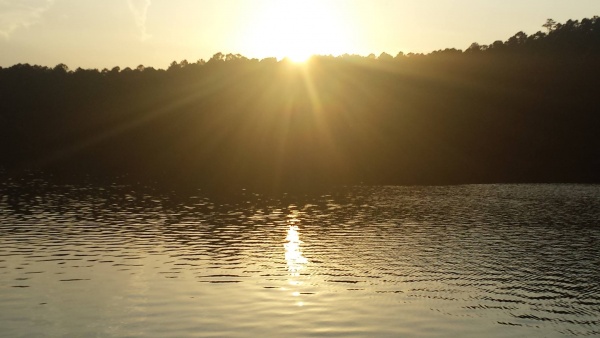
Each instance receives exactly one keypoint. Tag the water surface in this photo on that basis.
(473, 260)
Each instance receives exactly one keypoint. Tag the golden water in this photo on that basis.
(476, 260)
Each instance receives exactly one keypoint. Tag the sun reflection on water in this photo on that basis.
(293, 255)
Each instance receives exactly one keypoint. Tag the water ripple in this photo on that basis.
(499, 260)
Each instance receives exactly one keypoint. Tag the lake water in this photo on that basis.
(472, 260)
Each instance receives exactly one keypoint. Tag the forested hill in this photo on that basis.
(523, 110)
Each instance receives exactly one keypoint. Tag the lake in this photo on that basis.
(465, 260)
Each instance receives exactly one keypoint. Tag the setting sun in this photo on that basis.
(298, 29)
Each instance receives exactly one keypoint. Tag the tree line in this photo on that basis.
(521, 110)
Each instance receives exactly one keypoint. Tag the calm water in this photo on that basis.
(475, 260)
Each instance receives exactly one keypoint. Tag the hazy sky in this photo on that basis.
(127, 33)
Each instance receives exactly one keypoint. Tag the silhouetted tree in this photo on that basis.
(385, 57)
(61, 68)
(549, 25)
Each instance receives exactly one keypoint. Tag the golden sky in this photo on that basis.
(127, 33)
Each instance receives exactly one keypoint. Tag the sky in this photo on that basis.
(127, 33)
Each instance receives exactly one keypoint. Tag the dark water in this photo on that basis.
(474, 260)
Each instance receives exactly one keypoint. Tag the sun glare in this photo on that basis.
(298, 29)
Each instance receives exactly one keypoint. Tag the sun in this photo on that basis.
(298, 56)
(298, 29)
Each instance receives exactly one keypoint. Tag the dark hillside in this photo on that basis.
(523, 110)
